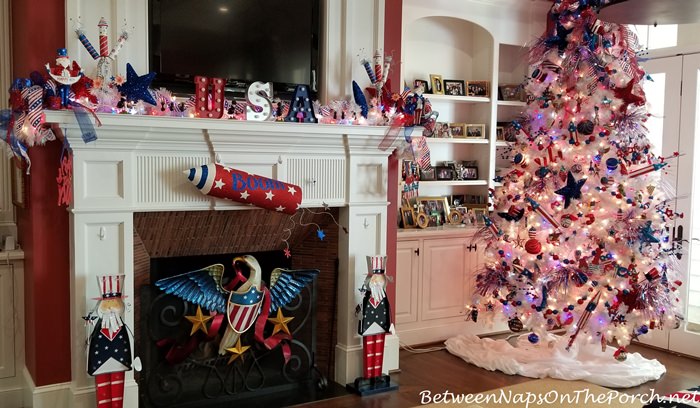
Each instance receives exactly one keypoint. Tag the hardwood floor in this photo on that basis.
(440, 371)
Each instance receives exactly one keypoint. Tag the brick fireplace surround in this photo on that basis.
(136, 166)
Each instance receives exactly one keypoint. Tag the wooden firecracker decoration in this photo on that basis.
(209, 89)
(259, 96)
(301, 108)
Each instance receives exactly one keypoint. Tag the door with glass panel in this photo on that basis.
(673, 125)
(686, 339)
(663, 93)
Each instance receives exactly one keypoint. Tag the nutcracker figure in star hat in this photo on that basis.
(109, 350)
(375, 323)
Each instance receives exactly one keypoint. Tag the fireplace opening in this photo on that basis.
(182, 368)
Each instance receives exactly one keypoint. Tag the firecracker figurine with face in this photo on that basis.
(375, 323)
(65, 72)
(109, 350)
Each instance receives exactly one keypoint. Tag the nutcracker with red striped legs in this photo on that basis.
(375, 323)
(109, 350)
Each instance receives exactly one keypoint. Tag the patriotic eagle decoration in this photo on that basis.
(221, 181)
(244, 305)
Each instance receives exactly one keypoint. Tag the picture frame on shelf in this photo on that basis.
(470, 173)
(464, 212)
(454, 87)
(442, 130)
(408, 216)
(437, 209)
(508, 131)
(458, 130)
(455, 217)
(421, 82)
(511, 92)
(458, 200)
(479, 213)
(444, 173)
(500, 133)
(436, 83)
(478, 88)
(427, 175)
(475, 131)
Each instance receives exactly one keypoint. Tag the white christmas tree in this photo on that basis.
(580, 234)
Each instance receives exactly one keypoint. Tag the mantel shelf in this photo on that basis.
(451, 140)
(512, 103)
(458, 99)
(454, 183)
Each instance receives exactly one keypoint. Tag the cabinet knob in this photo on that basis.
(417, 251)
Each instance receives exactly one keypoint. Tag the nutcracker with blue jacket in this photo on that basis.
(375, 323)
(109, 350)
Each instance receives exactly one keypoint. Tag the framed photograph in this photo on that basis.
(475, 131)
(458, 200)
(18, 181)
(511, 93)
(436, 208)
(479, 213)
(444, 173)
(478, 88)
(408, 216)
(508, 131)
(427, 175)
(442, 130)
(420, 82)
(458, 130)
(500, 135)
(436, 82)
(470, 173)
(454, 87)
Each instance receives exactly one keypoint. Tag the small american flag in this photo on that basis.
(421, 152)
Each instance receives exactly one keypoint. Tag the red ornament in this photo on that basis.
(533, 246)
(209, 89)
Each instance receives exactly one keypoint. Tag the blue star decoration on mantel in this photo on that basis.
(136, 87)
(321, 234)
(571, 190)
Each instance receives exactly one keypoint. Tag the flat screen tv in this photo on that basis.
(240, 40)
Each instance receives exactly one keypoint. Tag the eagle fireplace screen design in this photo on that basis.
(192, 356)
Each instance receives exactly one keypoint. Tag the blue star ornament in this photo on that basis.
(572, 189)
(136, 87)
(321, 234)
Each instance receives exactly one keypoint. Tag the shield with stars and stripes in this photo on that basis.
(243, 308)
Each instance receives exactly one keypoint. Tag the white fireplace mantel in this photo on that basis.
(136, 165)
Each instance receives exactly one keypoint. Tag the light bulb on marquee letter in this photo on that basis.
(259, 97)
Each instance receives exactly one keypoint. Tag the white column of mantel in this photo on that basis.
(101, 244)
(366, 218)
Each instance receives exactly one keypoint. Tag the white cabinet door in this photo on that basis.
(445, 284)
(407, 273)
(7, 323)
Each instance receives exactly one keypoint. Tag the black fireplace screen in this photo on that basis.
(181, 369)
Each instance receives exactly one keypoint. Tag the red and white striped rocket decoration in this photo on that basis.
(104, 45)
(218, 180)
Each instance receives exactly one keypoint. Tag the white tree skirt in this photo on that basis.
(549, 358)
